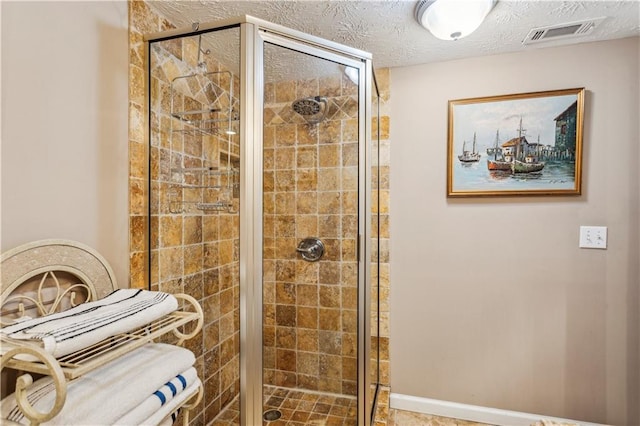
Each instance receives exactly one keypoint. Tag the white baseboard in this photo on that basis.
(475, 413)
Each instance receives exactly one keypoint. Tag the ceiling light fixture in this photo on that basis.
(452, 19)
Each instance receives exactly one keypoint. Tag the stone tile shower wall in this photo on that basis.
(310, 190)
(193, 251)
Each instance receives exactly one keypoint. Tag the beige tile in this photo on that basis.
(306, 203)
(381, 125)
(306, 179)
(329, 296)
(137, 269)
(285, 293)
(307, 318)
(192, 230)
(329, 155)
(285, 204)
(285, 180)
(137, 159)
(330, 226)
(306, 225)
(329, 179)
(306, 156)
(193, 259)
(285, 158)
(350, 130)
(171, 263)
(137, 228)
(329, 319)
(308, 363)
(330, 86)
(306, 272)
(329, 132)
(329, 273)
(285, 91)
(329, 202)
(137, 197)
(307, 135)
(307, 295)
(307, 340)
(286, 338)
(269, 136)
(285, 135)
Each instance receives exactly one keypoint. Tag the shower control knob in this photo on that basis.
(311, 249)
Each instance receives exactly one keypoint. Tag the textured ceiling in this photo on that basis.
(389, 31)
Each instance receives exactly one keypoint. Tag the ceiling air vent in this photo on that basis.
(562, 31)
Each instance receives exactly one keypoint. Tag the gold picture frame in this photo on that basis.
(519, 144)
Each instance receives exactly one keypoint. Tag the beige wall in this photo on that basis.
(64, 126)
(470, 323)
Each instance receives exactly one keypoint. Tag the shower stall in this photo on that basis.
(262, 205)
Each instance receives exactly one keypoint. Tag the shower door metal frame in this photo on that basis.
(253, 34)
(256, 32)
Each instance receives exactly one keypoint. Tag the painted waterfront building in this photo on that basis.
(566, 129)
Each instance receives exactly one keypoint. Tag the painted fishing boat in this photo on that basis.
(530, 163)
(499, 163)
(469, 156)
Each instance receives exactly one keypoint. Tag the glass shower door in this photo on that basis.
(194, 149)
(311, 228)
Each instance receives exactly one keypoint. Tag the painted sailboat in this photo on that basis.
(469, 156)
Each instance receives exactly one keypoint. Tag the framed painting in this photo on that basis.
(520, 144)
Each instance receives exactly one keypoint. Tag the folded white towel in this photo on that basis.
(102, 396)
(171, 406)
(159, 398)
(89, 323)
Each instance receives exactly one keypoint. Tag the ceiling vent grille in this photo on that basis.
(562, 31)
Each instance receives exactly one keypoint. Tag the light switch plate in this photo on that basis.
(593, 237)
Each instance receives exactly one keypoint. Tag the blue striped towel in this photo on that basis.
(104, 395)
(159, 398)
(165, 415)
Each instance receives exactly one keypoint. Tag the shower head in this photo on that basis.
(312, 109)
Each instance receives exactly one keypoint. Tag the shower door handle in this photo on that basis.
(311, 249)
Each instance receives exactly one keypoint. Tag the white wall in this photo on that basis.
(64, 125)
(521, 320)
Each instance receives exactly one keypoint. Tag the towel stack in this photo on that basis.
(89, 323)
(143, 387)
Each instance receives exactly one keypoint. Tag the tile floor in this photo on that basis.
(407, 418)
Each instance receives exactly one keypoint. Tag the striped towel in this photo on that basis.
(161, 417)
(159, 398)
(89, 323)
(104, 395)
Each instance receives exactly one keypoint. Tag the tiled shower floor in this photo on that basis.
(298, 408)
